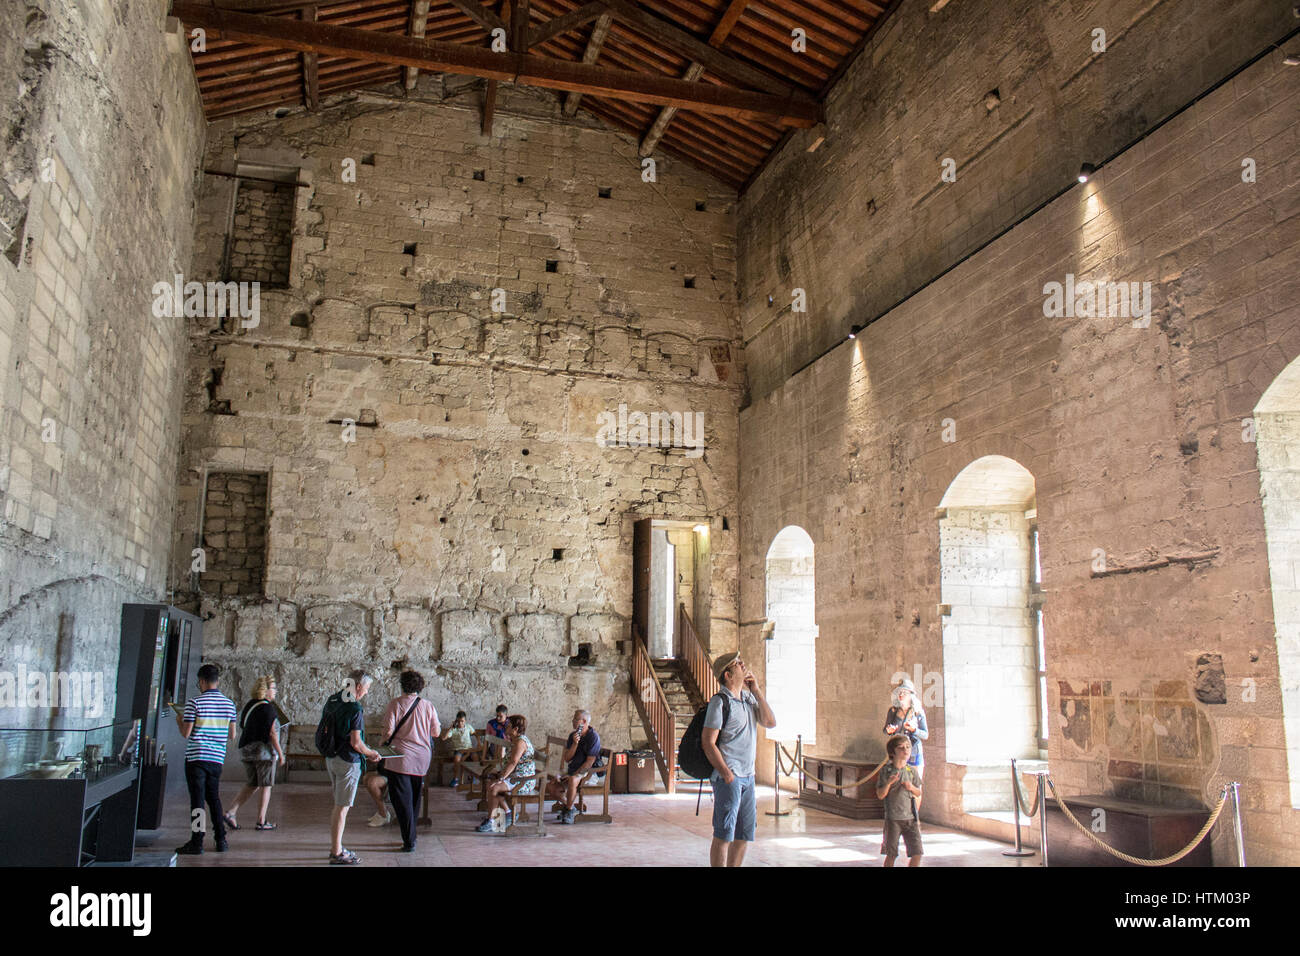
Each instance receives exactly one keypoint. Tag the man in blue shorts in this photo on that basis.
(731, 749)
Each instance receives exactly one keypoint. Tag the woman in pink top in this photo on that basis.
(410, 726)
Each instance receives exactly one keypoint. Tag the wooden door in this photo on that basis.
(641, 578)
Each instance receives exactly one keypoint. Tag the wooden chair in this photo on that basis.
(605, 769)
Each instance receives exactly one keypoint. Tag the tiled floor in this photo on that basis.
(648, 830)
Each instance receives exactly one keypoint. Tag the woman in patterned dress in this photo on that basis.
(519, 763)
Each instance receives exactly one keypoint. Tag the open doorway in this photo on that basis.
(671, 575)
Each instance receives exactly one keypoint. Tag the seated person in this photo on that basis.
(519, 763)
(462, 744)
(582, 760)
(498, 726)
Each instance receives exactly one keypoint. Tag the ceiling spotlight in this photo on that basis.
(1086, 171)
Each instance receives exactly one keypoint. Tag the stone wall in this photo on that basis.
(99, 162)
(261, 234)
(234, 533)
(437, 495)
(1014, 94)
(1133, 434)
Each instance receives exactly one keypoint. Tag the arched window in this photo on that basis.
(1277, 436)
(993, 668)
(792, 635)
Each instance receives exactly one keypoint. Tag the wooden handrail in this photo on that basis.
(698, 669)
(656, 715)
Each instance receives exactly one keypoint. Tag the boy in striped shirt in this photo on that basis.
(207, 724)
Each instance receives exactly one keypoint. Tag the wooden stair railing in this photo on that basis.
(652, 704)
(697, 668)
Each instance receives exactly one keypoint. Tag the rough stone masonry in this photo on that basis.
(436, 495)
(1133, 435)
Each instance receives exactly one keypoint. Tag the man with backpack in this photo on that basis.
(730, 741)
(341, 740)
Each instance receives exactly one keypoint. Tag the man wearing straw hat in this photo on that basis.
(730, 741)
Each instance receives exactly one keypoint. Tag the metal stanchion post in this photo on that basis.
(1236, 823)
(1015, 807)
(776, 778)
(1042, 815)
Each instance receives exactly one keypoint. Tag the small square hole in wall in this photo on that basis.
(552, 265)
(368, 159)
(557, 554)
(408, 248)
(519, 179)
(689, 282)
(583, 658)
(700, 205)
(606, 192)
(480, 174)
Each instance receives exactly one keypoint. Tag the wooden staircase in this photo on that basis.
(681, 700)
(668, 692)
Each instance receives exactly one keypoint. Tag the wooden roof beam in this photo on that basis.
(693, 73)
(310, 72)
(485, 18)
(565, 22)
(419, 23)
(675, 38)
(399, 50)
(589, 57)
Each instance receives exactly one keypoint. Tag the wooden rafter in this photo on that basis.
(519, 26)
(310, 70)
(400, 50)
(693, 73)
(479, 14)
(589, 57)
(419, 23)
(675, 38)
(489, 106)
(565, 22)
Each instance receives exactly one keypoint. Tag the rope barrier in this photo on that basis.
(1163, 861)
(837, 786)
(780, 762)
(1019, 796)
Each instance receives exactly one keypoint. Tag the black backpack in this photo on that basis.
(691, 759)
(327, 734)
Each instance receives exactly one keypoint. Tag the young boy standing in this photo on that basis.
(899, 786)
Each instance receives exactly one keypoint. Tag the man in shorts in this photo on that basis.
(899, 786)
(345, 767)
(730, 741)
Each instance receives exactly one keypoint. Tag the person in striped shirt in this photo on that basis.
(208, 724)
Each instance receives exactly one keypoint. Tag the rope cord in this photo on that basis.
(829, 783)
(1019, 795)
(780, 762)
(1163, 861)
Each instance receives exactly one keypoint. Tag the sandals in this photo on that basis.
(345, 858)
(230, 822)
(267, 826)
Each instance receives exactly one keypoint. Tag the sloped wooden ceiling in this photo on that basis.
(718, 83)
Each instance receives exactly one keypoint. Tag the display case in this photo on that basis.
(95, 754)
(68, 794)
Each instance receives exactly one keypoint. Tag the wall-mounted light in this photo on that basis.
(1292, 59)
(853, 332)
(1086, 171)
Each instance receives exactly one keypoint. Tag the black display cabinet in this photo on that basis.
(70, 793)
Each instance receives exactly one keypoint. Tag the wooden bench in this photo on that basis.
(556, 745)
